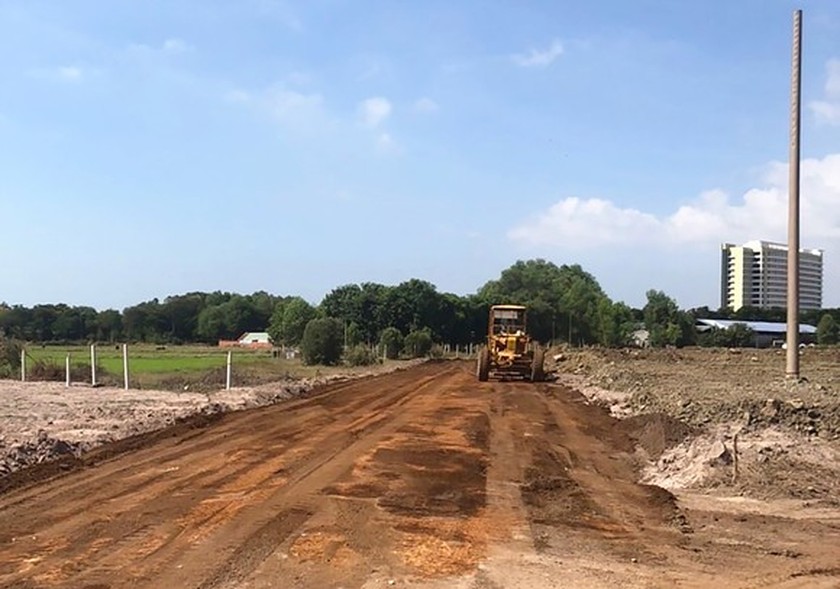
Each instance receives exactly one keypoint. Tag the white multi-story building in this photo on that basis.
(755, 275)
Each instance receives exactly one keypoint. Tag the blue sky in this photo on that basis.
(152, 148)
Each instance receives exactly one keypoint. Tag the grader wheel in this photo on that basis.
(483, 367)
(538, 366)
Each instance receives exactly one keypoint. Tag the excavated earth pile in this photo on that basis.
(723, 419)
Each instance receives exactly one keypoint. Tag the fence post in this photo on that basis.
(125, 365)
(23, 365)
(67, 371)
(93, 365)
(227, 377)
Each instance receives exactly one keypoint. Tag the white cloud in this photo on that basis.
(70, 73)
(238, 96)
(539, 57)
(828, 110)
(293, 110)
(288, 105)
(426, 105)
(591, 221)
(176, 46)
(299, 78)
(281, 12)
(714, 217)
(374, 111)
(171, 46)
(386, 144)
(67, 73)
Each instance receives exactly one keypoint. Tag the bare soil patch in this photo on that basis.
(43, 422)
(722, 420)
(423, 478)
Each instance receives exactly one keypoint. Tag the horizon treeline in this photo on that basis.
(565, 304)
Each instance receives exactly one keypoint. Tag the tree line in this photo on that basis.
(566, 304)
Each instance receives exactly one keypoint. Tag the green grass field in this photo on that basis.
(170, 367)
(145, 359)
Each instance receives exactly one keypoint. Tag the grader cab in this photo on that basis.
(510, 352)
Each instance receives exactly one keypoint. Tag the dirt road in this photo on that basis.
(423, 478)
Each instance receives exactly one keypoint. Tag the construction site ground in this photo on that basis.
(427, 478)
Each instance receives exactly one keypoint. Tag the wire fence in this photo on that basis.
(88, 368)
(133, 366)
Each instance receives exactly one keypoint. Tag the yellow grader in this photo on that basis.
(510, 352)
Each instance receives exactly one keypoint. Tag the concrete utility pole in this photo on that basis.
(93, 365)
(227, 371)
(792, 365)
(125, 365)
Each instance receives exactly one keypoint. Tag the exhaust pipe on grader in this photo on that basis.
(510, 352)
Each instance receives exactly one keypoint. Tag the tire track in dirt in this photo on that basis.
(579, 482)
(504, 477)
(197, 445)
(415, 503)
(297, 492)
(183, 431)
(75, 510)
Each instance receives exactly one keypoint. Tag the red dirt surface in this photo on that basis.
(424, 478)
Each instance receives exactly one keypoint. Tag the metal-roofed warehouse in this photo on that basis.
(767, 333)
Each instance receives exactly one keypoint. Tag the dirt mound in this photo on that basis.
(43, 449)
(49, 456)
(684, 407)
(704, 387)
(46, 421)
(767, 463)
(814, 418)
(656, 432)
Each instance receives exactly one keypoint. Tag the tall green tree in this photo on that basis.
(665, 322)
(614, 323)
(323, 341)
(562, 301)
(109, 326)
(212, 324)
(181, 313)
(17, 323)
(296, 314)
(275, 322)
(343, 302)
(413, 305)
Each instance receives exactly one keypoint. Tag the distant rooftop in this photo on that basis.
(758, 244)
(757, 326)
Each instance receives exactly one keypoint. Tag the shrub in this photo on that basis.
(360, 355)
(353, 335)
(323, 341)
(391, 341)
(418, 343)
(738, 335)
(828, 332)
(9, 358)
(436, 352)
